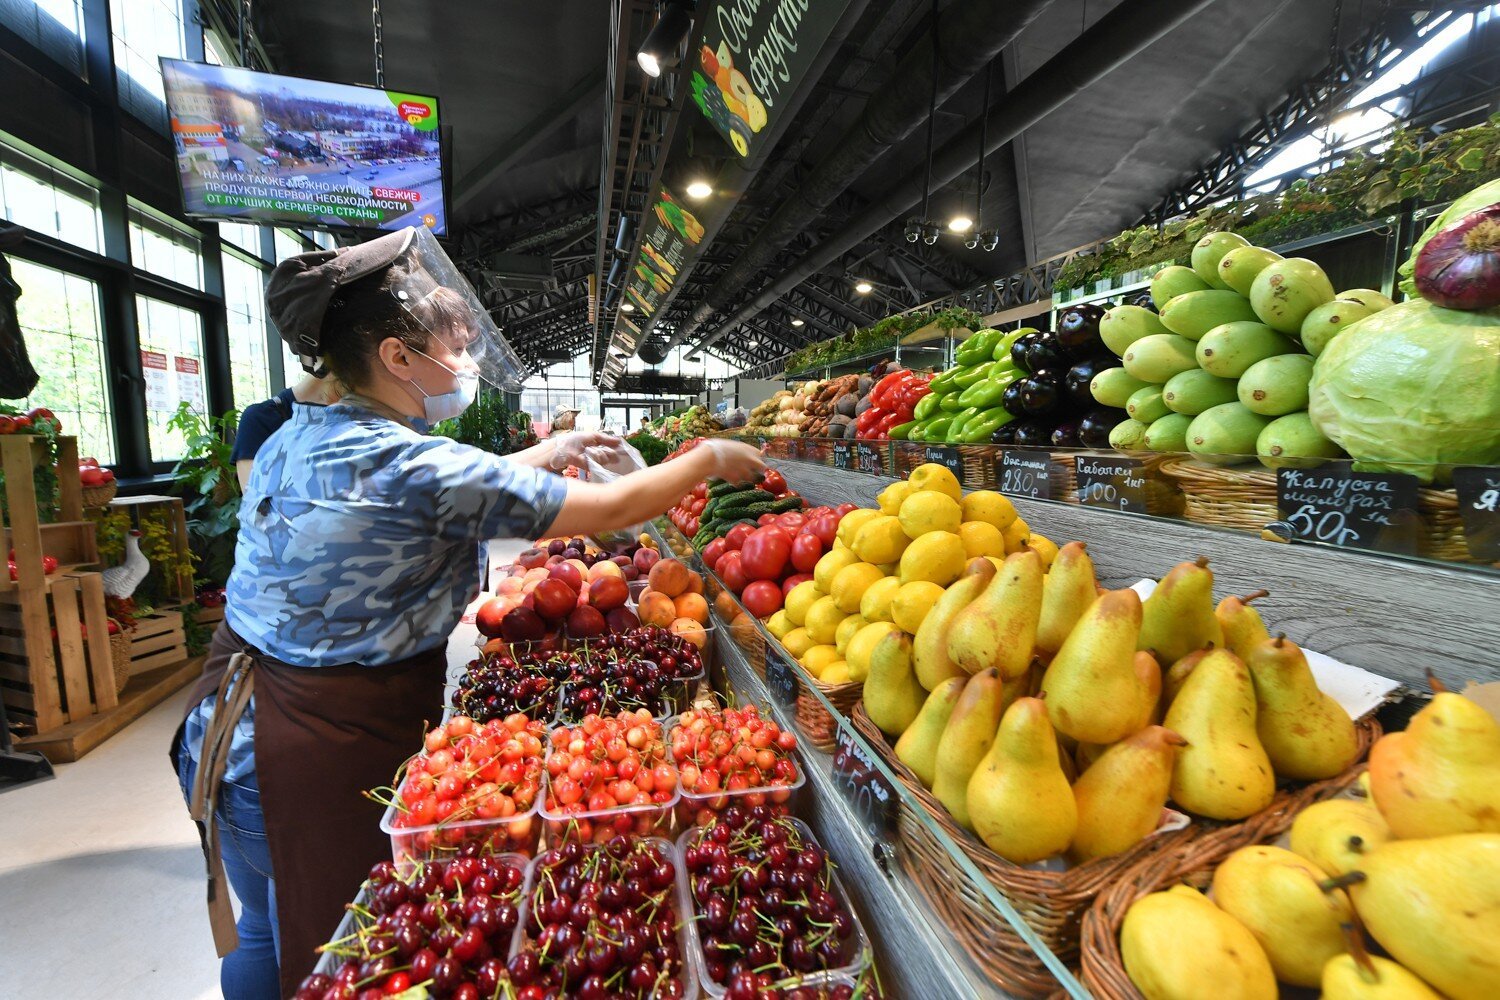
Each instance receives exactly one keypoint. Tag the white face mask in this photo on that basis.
(449, 404)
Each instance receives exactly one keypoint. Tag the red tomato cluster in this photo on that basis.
(49, 565)
(608, 763)
(13, 421)
(763, 564)
(734, 750)
(91, 474)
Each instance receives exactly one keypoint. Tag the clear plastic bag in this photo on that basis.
(605, 465)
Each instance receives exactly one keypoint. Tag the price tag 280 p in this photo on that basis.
(781, 677)
(873, 798)
(1026, 472)
(867, 458)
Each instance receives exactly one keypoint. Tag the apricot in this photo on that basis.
(690, 630)
(656, 608)
(692, 606)
(670, 577)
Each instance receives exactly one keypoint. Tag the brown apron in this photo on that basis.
(322, 737)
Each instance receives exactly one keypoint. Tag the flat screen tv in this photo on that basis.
(263, 148)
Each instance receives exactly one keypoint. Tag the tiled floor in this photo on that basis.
(101, 878)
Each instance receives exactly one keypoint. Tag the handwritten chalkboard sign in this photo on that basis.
(1111, 483)
(1338, 506)
(1478, 489)
(1025, 472)
(781, 676)
(869, 458)
(842, 455)
(869, 792)
(939, 455)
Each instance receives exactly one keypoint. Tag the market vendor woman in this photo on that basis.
(356, 557)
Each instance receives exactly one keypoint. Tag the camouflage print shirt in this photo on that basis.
(358, 543)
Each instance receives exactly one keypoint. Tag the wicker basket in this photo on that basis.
(1063, 477)
(1192, 862)
(95, 497)
(1053, 903)
(979, 466)
(119, 657)
(908, 455)
(814, 722)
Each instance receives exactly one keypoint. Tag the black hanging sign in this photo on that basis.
(1025, 472)
(1338, 506)
(865, 785)
(1112, 483)
(941, 455)
(842, 453)
(868, 458)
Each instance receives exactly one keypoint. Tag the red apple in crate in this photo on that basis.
(608, 593)
(646, 558)
(554, 599)
(585, 623)
(523, 625)
(567, 573)
(621, 620)
(490, 617)
(531, 558)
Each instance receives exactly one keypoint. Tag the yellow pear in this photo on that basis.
(1359, 975)
(1307, 734)
(1178, 617)
(1434, 905)
(892, 695)
(966, 739)
(1067, 592)
(1336, 834)
(1093, 691)
(1149, 671)
(1223, 772)
(1241, 624)
(1442, 774)
(934, 665)
(1279, 898)
(1178, 673)
(860, 652)
(1121, 794)
(1085, 756)
(1176, 945)
(1019, 800)
(917, 747)
(998, 628)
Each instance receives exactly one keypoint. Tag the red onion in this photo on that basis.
(1459, 268)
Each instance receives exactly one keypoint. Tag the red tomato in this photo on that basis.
(730, 572)
(807, 549)
(790, 582)
(8, 424)
(762, 598)
(22, 423)
(765, 519)
(737, 536)
(824, 527)
(712, 551)
(773, 481)
(765, 553)
(701, 490)
(844, 508)
(39, 413)
(792, 521)
(692, 527)
(697, 506)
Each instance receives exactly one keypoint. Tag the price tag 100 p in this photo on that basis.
(866, 787)
(1112, 483)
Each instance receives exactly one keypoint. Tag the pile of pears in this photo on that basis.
(1051, 717)
(1221, 366)
(1415, 861)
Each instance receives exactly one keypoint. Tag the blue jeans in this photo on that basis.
(251, 971)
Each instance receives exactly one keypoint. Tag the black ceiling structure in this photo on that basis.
(555, 135)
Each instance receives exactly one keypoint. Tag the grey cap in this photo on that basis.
(301, 288)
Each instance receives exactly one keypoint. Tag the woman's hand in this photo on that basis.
(568, 449)
(733, 461)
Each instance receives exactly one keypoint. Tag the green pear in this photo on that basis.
(1092, 689)
(1067, 591)
(1178, 617)
(1307, 734)
(917, 747)
(1223, 772)
(930, 647)
(1335, 835)
(1434, 905)
(892, 695)
(1358, 975)
(998, 628)
(1241, 624)
(966, 739)
(1279, 898)
(1019, 799)
(1442, 774)
(1121, 794)
(1177, 674)
(1176, 945)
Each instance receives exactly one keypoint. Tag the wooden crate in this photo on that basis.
(48, 680)
(157, 640)
(180, 590)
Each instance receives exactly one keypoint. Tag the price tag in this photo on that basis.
(1478, 491)
(842, 455)
(781, 676)
(1364, 510)
(942, 455)
(1112, 483)
(866, 787)
(869, 458)
(1026, 472)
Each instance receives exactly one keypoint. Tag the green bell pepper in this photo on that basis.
(1002, 348)
(926, 406)
(900, 431)
(936, 430)
(944, 383)
(950, 403)
(954, 434)
(968, 376)
(977, 348)
(979, 429)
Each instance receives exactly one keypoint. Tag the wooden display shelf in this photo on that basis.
(147, 690)
(157, 641)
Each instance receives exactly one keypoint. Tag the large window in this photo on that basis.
(145, 30)
(244, 298)
(165, 250)
(242, 235)
(171, 340)
(48, 201)
(54, 26)
(59, 314)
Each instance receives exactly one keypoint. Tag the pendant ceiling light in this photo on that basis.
(978, 235)
(924, 228)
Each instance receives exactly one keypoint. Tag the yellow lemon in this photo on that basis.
(937, 556)
(823, 620)
(875, 606)
(862, 647)
(880, 540)
(890, 568)
(846, 630)
(1045, 547)
(890, 498)
(1015, 535)
(989, 507)
(937, 478)
(850, 584)
(779, 624)
(797, 641)
(829, 565)
(981, 538)
(836, 672)
(930, 511)
(817, 658)
(851, 522)
(912, 602)
(798, 601)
